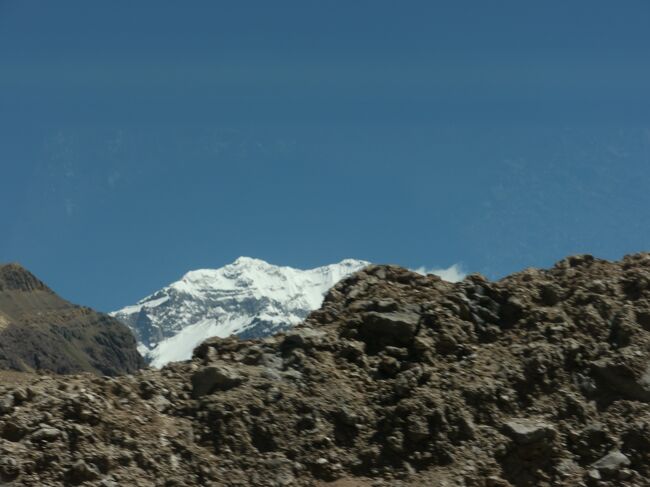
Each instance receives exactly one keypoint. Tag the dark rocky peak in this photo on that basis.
(14, 277)
(39, 331)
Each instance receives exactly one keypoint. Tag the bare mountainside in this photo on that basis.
(540, 379)
(41, 331)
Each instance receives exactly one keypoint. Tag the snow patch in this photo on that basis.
(249, 296)
(453, 273)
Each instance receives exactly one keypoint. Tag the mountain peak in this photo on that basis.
(14, 277)
(247, 298)
(243, 260)
(354, 262)
(41, 331)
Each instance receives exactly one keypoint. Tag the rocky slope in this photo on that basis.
(540, 379)
(39, 330)
(249, 298)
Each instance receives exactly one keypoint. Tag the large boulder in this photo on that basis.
(624, 378)
(528, 431)
(611, 463)
(397, 328)
(211, 378)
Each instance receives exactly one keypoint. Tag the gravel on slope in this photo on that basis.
(540, 379)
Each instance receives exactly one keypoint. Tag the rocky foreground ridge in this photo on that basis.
(540, 379)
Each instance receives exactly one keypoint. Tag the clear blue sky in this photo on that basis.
(139, 140)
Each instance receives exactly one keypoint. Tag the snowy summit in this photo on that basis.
(248, 298)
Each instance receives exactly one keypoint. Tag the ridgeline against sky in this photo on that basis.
(139, 140)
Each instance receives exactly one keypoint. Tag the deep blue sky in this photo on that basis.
(139, 140)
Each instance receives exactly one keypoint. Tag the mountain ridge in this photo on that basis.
(14, 276)
(249, 298)
(41, 331)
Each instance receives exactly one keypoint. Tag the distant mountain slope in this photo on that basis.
(41, 331)
(249, 298)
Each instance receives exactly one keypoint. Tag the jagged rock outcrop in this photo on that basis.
(41, 331)
(399, 379)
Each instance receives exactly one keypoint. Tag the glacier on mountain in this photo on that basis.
(249, 298)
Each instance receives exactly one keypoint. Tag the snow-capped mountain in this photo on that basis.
(248, 298)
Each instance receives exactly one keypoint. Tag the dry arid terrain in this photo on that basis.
(540, 379)
(39, 330)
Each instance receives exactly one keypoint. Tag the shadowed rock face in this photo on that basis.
(539, 379)
(41, 331)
